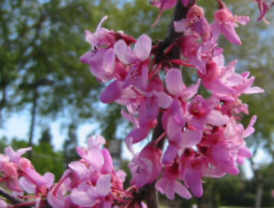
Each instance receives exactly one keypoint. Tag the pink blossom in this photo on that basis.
(169, 184)
(31, 180)
(176, 86)
(10, 174)
(191, 171)
(58, 196)
(264, 8)
(89, 196)
(226, 22)
(204, 135)
(14, 156)
(140, 52)
(3, 204)
(102, 37)
(167, 4)
(195, 22)
(146, 166)
(164, 4)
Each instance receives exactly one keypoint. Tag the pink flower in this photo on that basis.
(58, 196)
(102, 63)
(225, 82)
(10, 174)
(167, 4)
(176, 86)
(173, 121)
(3, 204)
(146, 166)
(164, 4)
(191, 170)
(226, 22)
(14, 156)
(89, 196)
(169, 184)
(31, 181)
(112, 92)
(140, 52)
(102, 37)
(132, 70)
(264, 8)
(195, 22)
(223, 158)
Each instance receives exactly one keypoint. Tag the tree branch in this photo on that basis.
(180, 12)
(9, 197)
(19, 202)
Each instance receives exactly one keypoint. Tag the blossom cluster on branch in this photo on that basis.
(197, 129)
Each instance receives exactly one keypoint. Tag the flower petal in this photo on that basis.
(174, 82)
(123, 52)
(143, 47)
(111, 93)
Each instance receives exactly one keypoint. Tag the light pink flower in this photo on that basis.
(140, 52)
(89, 196)
(176, 86)
(225, 23)
(3, 204)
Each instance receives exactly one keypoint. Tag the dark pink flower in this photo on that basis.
(264, 8)
(146, 166)
(195, 22)
(170, 185)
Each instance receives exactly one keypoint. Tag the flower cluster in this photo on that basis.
(90, 182)
(19, 176)
(163, 5)
(197, 127)
(204, 134)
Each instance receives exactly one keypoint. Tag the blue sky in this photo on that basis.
(18, 126)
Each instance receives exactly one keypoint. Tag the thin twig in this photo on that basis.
(9, 197)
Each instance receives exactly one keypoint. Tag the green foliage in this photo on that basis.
(42, 46)
(45, 137)
(70, 145)
(3, 143)
(44, 157)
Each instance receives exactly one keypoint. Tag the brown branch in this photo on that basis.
(3, 101)
(9, 197)
(3, 86)
(16, 202)
(180, 12)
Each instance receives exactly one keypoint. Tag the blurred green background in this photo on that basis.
(43, 82)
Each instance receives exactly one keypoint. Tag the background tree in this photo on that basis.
(70, 145)
(49, 47)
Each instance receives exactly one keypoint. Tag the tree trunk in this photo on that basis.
(259, 194)
(258, 177)
(33, 118)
